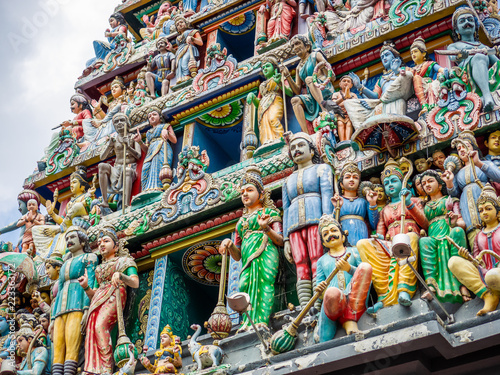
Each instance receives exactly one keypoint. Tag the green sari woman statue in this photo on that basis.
(258, 236)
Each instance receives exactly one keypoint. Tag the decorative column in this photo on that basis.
(187, 139)
(233, 281)
(152, 330)
(249, 140)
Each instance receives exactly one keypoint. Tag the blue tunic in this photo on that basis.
(307, 196)
(468, 191)
(356, 225)
(39, 360)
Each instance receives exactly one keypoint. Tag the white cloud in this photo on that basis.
(37, 77)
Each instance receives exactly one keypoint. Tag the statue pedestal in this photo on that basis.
(271, 46)
(269, 147)
(145, 198)
(182, 84)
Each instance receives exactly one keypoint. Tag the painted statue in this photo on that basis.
(344, 124)
(425, 72)
(116, 272)
(392, 282)
(281, 14)
(47, 238)
(53, 265)
(493, 146)
(164, 63)
(381, 197)
(422, 164)
(187, 55)
(157, 149)
(32, 218)
(168, 358)
(22, 201)
(438, 158)
(344, 299)
(391, 91)
(5, 336)
(472, 57)
(204, 355)
(306, 195)
(443, 214)
(482, 279)
(80, 106)
(308, 106)
(162, 25)
(270, 102)
(355, 210)
(258, 236)
(102, 125)
(128, 152)
(318, 5)
(466, 183)
(141, 96)
(71, 302)
(119, 28)
(418, 189)
(35, 357)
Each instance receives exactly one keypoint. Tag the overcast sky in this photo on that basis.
(44, 45)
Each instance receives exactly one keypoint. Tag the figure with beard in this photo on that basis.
(483, 280)
(35, 356)
(483, 70)
(465, 185)
(344, 299)
(354, 209)
(117, 271)
(71, 302)
(443, 213)
(306, 197)
(393, 283)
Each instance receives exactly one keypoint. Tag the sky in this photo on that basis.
(44, 45)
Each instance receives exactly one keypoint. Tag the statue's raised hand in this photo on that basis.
(250, 98)
(284, 70)
(225, 245)
(288, 252)
(263, 221)
(371, 197)
(355, 80)
(406, 194)
(51, 231)
(84, 280)
(448, 177)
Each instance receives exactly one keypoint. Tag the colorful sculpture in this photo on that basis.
(118, 179)
(493, 146)
(381, 197)
(468, 181)
(71, 302)
(162, 25)
(474, 58)
(438, 158)
(354, 209)
(141, 96)
(164, 63)
(53, 266)
(308, 106)
(443, 214)
(187, 54)
(344, 124)
(306, 197)
(28, 221)
(102, 124)
(5, 336)
(117, 272)
(80, 106)
(281, 14)
(425, 73)
(392, 282)
(344, 298)
(35, 355)
(118, 27)
(258, 236)
(270, 102)
(168, 358)
(204, 355)
(157, 149)
(47, 237)
(483, 279)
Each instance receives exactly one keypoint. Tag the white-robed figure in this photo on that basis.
(390, 94)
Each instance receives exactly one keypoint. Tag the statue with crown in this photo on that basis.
(168, 359)
(479, 271)
(394, 283)
(258, 236)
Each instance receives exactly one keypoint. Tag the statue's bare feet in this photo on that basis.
(490, 303)
(373, 310)
(465, 293)
(488, 103)
(350, 327)
(404, 299)
(426, 295)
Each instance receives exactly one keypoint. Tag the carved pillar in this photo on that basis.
(187, 139)
(249, 140)
(260, 28)
(152, 330)
(233, 280)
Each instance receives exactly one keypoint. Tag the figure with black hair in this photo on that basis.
(116, 272)
(344, 299)
(443, 214)
(71, 302)
(468, 181)
(306, 197)
(35, 356)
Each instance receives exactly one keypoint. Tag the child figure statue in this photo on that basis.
(344, 299)
(168, 358)
(29, 220)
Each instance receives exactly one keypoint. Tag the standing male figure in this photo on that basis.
(71, 302)
(306, 197)
(164, 62)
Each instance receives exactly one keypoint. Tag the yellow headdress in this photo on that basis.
(391, 168)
